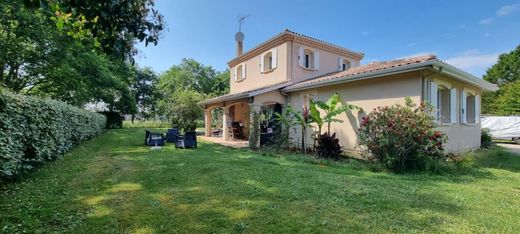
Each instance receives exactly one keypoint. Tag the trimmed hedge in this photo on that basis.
(35, 130)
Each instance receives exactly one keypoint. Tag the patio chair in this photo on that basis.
(188, 140)
(153, 138)
(171, 135)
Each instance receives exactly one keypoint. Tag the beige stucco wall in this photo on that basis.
(461, 137)
(328, 63)
(256, 79)
(386, 91)
(287, 68)
(367, 94)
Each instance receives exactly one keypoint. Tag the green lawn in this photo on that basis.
(113, 184)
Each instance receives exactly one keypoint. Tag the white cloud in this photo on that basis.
(508, 9)
(473, 61)
(487, 21)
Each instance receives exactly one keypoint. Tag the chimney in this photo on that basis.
(239, 37)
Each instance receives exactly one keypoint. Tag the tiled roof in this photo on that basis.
(320, 41)
(371, 67)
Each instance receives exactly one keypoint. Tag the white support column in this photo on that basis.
(225, 123)
(207, 121)
(254, 108)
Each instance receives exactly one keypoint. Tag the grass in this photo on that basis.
(113, 184)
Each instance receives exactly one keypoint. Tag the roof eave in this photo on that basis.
(461, 75)
(364, 76)
(448, 70)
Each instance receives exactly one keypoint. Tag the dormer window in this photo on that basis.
(268, 61)
(308, 59)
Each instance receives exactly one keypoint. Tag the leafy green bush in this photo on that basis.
(486, 141)
(34, 130)
(402, 137)
(328, 147)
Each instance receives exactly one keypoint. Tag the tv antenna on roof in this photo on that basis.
(241, 19)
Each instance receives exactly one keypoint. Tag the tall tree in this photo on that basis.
(506, 74)
(86, 60)
(183, 85)
(115, 25)
(144, 90)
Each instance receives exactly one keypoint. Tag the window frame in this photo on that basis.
(308, 59)
(441, 108)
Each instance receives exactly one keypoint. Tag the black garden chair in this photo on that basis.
(188, 140)
(171, 135)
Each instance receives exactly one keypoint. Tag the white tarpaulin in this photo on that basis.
(502, 127)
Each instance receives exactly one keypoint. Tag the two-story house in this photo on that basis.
(291, 69)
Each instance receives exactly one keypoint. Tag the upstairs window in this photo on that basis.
(240, 72)
(268, 61)
(343, 64)
(308, 59)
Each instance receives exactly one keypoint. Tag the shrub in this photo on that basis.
(486, 140)
(34, 130)
(114, 119)
(328, 147)
(254, 132)
(402, 137)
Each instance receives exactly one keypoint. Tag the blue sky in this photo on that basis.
(469, 34)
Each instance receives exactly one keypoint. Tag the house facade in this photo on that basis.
(292, 69)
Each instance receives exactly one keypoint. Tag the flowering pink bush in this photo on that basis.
(402, 137)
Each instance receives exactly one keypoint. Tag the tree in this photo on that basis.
(114, 25)
(192, 75)
(83, 60)
(143, 88)
(506, 74)
(182, 109)
(182, 86)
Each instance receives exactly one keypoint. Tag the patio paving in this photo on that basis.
(230, 143)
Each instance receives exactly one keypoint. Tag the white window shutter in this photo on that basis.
(300, 56)
(244, 67)
(477, 109)
(434, 100)
(275, 57)
(463, 105)
(453, 105)
(316, 60)
(235, 73)
(261, 63)
(340, 63)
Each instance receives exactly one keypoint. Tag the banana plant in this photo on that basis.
(331, 110)
(291, 117)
